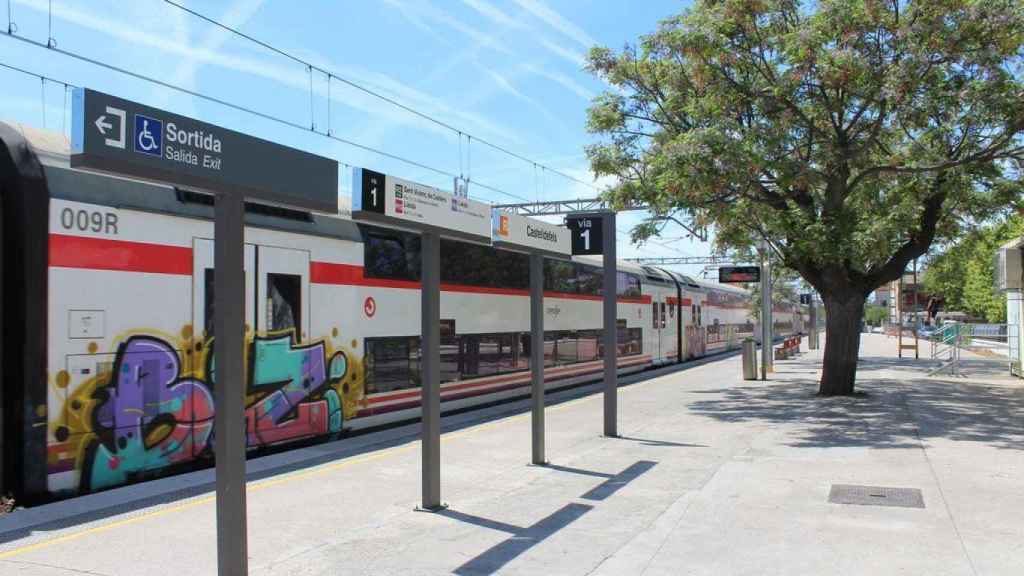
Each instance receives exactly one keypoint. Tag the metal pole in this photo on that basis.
(611, 346)
(430, 368)
(899, 317)
(917, 353)
(537, 357)
(766, 314)
(812, 333)
(229, 418)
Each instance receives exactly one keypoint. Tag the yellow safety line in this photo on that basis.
(290, 477)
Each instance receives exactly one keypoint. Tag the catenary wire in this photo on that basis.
(244, 109)
(370, 91)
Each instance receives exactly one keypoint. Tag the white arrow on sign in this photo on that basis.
(102, 125)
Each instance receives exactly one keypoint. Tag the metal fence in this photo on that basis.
(998, 342)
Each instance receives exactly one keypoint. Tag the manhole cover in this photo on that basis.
(875, 496)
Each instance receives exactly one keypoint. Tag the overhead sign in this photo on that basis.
(519, 232)
(805, 298)
(378, 197)
(739, 274)
(111, 134)
(587, 231)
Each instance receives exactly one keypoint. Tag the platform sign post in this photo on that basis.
(538, 454)
(767, 339)
(595, 234)
(391, 201)
(538, 239)
(117, 136)
(430, 368)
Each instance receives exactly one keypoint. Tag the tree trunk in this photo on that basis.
(842, 342)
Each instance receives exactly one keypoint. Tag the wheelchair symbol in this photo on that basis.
(148, 134)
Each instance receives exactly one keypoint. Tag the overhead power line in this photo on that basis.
(237, 107)
(335, 76)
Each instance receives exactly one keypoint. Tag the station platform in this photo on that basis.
(712, 476)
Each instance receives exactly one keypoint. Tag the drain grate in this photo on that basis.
(875, 496)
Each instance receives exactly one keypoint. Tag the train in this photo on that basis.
(107, 287)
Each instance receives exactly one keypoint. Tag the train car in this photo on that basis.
(108, 324)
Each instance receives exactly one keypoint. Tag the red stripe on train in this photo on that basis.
(353, 275)
(122, 255)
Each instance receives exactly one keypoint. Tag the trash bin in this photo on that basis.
(749, 359)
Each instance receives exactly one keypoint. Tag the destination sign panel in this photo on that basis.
(390, 200)
(739, 274)
(515, 231)
(111, 134)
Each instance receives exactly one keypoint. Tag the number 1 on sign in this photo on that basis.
(586, 239)
(373, 193)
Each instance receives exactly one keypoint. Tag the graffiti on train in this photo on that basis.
(154, 407)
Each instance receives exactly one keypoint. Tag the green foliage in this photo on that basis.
(875, 315)
(851, 134)
(963, 273)
(784, 289)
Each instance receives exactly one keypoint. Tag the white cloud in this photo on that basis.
(561, 79)
(411, 16)
(557, 21)
(428, 10)
(236, 16)
(570, 55)
(505, 84)
(491, 12)
(291, 76)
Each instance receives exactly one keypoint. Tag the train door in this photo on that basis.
(202, 287)
(698, 323)
(282, 291)
(203, 308)
(286, 369)
(659, 323)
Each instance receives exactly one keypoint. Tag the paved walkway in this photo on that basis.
(714, 476)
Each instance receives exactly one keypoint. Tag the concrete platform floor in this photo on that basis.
(713, 476)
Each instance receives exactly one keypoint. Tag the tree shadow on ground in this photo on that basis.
(893, 412)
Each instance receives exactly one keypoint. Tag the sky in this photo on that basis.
(506, 71)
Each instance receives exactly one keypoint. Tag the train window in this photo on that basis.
(698, 315)
(450, 351)
(284, 302)
(515, 358)
(587, 345)
(560, 276)
(389, 364)
(208, 285)
(475, 265)
(513, 270)
(590, 280)
(392, 255)
(630, 340)
(654, 315)
(470, 357)
(663, 323)
(493, 348)
(550, 347)
(628, 285)
(566, 348)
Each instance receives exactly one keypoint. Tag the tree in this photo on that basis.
(849, 134)
(964, 273)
